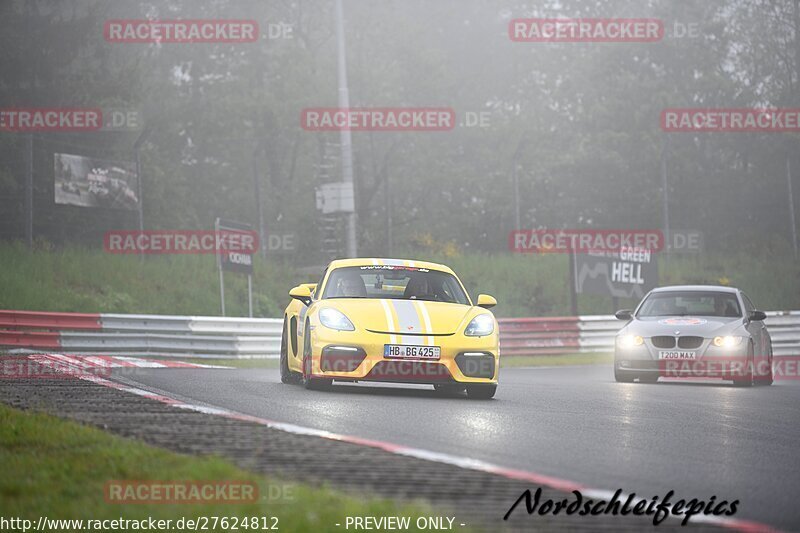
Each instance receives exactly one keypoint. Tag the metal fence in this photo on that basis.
(199, 336)
(595, 333)
(195, 336)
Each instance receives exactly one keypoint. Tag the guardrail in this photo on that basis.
(195, 336)
(199, 336)
(595, 333)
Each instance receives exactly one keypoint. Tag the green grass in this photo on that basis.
(84, 280)
(58, 469)
(91, 281)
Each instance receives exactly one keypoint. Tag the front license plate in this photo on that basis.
(676, 354)
(401, 351)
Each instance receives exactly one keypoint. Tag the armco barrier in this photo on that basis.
(260, 337)
(36, 319)
(195, 336)
(595, 333)
(539, 336)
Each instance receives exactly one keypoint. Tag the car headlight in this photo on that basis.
(629, 341)
(728, 341)
(331, 318)
(480, 326)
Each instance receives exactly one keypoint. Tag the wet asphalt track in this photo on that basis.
(575, 423)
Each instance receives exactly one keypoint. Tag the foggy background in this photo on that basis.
(578, 122)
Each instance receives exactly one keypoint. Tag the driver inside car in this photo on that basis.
(351, 286)
(725, 307)
(417, 288)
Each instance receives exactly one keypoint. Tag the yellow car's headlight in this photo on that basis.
(334, 319)
(480, 326)
(629, 341)
(728, 341)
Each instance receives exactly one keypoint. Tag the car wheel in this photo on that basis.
(747, 379)
(309, 382)
(449, 389)
(481, 391)
(622, 376)
(287, 376)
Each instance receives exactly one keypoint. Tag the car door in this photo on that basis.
(300, 323)
(758, 330)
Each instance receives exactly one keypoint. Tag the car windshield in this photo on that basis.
(696, 303)
(396, 283)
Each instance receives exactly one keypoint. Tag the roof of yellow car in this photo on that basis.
(365, 261)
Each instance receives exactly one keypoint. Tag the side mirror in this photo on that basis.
(486, 301)
(302, 293)
(624, 314)
(311, 286)
(758, 316)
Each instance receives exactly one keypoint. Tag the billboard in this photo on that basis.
(90, 182)
(628, 273)
(335, 198)
(235, 260)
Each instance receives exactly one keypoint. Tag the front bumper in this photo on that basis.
(709, 361)
(358, 356)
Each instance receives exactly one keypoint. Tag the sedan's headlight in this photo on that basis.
(728, 341)
(331, 318)
(480, 326)
(629, 341)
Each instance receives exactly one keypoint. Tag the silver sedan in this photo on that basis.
(694, 331)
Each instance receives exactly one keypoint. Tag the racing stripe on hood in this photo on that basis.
(423, 312)
(407, 320)
(389, 321)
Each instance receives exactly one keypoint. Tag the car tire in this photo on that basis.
(309, 382)
(449, 389)
(748, 378)
(622, 376)
(481, 391)
(287, 375)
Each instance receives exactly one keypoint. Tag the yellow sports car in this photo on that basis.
(393, 321)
